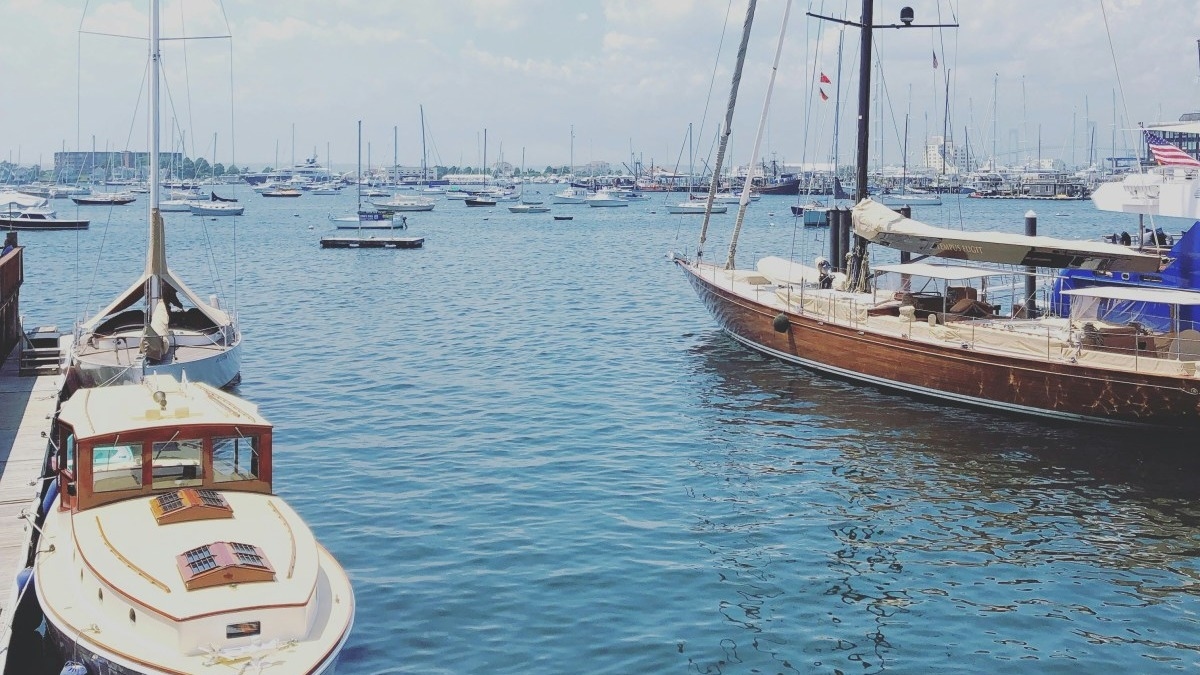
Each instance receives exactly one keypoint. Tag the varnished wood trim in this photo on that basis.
(291, 538)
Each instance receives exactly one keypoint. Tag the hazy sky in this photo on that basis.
(630, 75)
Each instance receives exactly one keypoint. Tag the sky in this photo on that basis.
(596, 80)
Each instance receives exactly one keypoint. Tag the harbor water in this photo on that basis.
(534, 453)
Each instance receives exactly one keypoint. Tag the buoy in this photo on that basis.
(73, 668)
(781, 323)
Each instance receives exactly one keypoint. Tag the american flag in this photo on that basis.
(1167, 154)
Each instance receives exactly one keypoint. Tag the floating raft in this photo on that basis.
(563, 217)
(372, 242)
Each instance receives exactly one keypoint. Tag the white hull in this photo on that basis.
(116, 359)
(217, 210)
(696, 207)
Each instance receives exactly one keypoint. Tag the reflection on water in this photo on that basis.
(862, 531)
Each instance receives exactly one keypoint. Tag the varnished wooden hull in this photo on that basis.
(1024, 385)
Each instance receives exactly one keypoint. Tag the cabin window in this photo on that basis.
(235, 458)
(69, 454)
(116, 467)
(178, 463)
(244, 629)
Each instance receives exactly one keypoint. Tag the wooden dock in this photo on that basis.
(26, 407)
(372, 242)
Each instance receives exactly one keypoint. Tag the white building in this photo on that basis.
(940, 153)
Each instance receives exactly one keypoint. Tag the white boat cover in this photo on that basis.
(783, 271)
(8, 200)
(137, 291)
(1167, 296)
(881, 225)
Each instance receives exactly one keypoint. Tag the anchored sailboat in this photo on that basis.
(158, 326)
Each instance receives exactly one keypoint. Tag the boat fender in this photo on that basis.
(48, 500)
(781, 323)
(28, 614)
(73, 668)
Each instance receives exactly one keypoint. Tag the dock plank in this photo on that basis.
(27, 405)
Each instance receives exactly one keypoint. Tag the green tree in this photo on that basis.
(232, 170)
(218, 169)
(187, 168)
(202, 169)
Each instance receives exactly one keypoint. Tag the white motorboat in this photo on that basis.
(528, 208)
(605, 198)
(164, 550)
(569, 195)
(157, 325)
(696, 206)
(25, 212)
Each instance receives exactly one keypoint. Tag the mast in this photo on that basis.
(864, 103)
(744, 201)
(424, 156)
(156, 260)
(358, 174)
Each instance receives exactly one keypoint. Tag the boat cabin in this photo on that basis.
(179, 442)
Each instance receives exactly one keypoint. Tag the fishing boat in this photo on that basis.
(939, 330)
(164, 550)
(157, 325)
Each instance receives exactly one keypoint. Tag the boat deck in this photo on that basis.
(26, 406)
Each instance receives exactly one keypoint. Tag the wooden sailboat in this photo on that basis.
(158, 326)
(937, 331)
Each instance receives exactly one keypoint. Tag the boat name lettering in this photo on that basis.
(958, 248)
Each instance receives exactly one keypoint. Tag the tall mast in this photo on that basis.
(864, 102)
(424, 156)
(156, 260)
(744, 201)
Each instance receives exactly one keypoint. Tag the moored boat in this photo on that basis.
(234, 577)
(157, 325)
(947, 337)
(105, 199)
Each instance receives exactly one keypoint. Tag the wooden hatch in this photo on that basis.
(189, 504)
(223, 563)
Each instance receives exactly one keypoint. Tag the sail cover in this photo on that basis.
(880, 225)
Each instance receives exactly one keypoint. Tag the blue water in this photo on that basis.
(534, 452)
